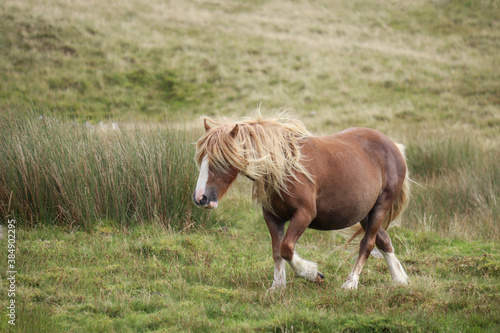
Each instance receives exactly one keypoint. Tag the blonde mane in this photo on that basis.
(266, 150)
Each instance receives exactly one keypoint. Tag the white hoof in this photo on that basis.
(276, 287)
(351, 282)
(306, 269)
(401, 280)
(398, 274)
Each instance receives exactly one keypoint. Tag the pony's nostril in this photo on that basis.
(204, 200)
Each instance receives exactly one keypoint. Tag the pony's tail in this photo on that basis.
(399, 205)
(355, 233)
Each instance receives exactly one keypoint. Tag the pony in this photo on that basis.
(356, 180)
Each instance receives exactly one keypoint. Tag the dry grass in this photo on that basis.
(337, 63)
(459, 184)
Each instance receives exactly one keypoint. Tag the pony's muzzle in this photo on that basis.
(205, 201)
(200, 201)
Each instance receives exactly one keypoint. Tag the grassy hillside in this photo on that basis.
(107, 239)
(337, 62)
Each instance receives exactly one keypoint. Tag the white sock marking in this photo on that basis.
(303, 268)
(279, 275)
(397, 272)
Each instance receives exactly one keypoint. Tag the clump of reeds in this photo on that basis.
(63, 172)
(460, 175)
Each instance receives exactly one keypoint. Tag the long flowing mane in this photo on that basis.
(267, 150)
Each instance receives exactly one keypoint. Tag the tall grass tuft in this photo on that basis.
(460, 175)
(62, 172)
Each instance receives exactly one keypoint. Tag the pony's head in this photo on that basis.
(266, 150)
(215, 156)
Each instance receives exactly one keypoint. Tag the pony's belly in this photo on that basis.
(332, 223)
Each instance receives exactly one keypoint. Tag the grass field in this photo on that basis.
(107, 239)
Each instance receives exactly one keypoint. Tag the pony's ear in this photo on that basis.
(235, 131)
(206, 125)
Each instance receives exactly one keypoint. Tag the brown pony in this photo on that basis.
(356, 179)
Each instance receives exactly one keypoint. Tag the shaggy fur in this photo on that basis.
(267, 150)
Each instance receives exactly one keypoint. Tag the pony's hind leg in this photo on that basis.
(384, 244)
(371, 226)
(353, 279)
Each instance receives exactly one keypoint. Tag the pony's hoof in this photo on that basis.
(351, 282)
(274, 290)
(276, 287)
(320, 277)
(401, 282)
(350, 286)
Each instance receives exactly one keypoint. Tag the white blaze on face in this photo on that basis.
(202, 180)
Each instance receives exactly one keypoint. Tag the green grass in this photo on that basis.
(151, 279)
(107, 237)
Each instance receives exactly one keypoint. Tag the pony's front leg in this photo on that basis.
(306, 269)
(279, 281)
(276, 229)
(303, 268)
